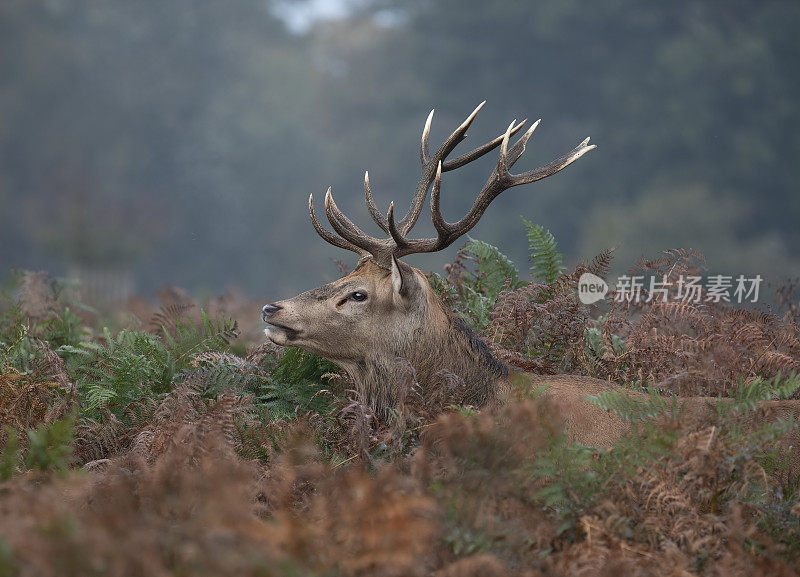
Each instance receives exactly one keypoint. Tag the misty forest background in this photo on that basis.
(178, 141)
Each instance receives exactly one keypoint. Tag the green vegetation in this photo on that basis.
(135, 365)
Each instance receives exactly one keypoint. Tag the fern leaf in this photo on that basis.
(99, 396)
(493, 268)
(547, 263)
(635, 408)
(749, 395)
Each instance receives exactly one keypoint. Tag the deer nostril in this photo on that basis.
(268, 310)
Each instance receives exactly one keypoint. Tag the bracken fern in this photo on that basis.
(547, 263)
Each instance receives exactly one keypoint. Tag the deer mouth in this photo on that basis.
(277, 332)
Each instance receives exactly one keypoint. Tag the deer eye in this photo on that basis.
(357, 296)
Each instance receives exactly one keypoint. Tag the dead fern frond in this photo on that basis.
(26, 402)
(216, 358)
(95, 440)
(169, 316)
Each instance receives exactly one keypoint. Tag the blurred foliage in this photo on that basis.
(135, 134)
(696, 218)
(50, 445)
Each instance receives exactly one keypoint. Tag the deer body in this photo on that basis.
(386, 309)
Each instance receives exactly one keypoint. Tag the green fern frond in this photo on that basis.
(747, 396)
(294, 385)
(547, 263)
(98, 396)
(492, 268)
(132, 365)
(188, 338)
(570, 480)
(9, 456)
(216, 379)
(595, 346)
(441, 287)
(129, 366)
(50, 445)
(475, 295)
(635, 408)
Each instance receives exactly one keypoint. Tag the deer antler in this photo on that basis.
(397, 244)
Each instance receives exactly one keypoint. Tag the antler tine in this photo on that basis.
(327, 235)
(553, 166)
(424, 152)
(429, 167)
(436, 213)
(379, 219)
(519, 146)
(397, 236)
(449, 232)
(337, 218)
(502, 166)
(481, 150)
(345, 227)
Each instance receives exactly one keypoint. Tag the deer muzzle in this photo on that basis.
(268, 310)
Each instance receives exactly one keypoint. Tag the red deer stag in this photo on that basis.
(386, 309)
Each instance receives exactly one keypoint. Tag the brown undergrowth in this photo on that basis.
(183, 500)
(235, 468)
(687, 348)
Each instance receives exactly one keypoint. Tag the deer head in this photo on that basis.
(386, 308)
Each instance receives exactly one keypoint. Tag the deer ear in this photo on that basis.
(400, 279)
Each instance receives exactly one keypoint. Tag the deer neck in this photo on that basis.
(449, 347)
(439, 348)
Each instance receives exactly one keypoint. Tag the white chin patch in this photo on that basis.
(275, 335)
